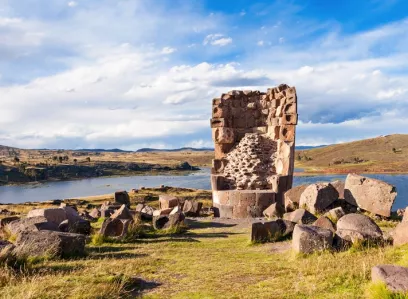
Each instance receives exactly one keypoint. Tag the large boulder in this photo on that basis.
(326, 223)
(400, 234)
(122, 213)
(168, 201)
(122, 198)
(115, 227)
(300, 216)
(78, 226)
(32, 224)
(357, 227)
(49, 244)
(369, 194)
(339, 185)
(308, 239)
(70, 212)
(292, 197)
(55, 215)
(192, 208)
(168, 221)
(147, 213)
(275, 210)
(271, 230)
(95, 213)
(317, 197)
(7, 220)
(394, 277)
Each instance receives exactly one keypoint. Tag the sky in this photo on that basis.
(142, 73)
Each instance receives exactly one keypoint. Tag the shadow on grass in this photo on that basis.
(59, 268)
(112, 252)
(193, 223)
(134, 287)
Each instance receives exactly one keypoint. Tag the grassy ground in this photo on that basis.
(205, 262)
(210, 260)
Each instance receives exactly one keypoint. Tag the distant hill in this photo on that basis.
(307, 147)
(192, 149)
(114, 150)
(381, 154)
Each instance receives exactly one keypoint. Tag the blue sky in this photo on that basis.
(132, 74)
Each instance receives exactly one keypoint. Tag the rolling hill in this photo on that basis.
(381, 154)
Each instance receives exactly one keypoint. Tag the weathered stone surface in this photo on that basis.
(317, 197)
(115, 227)
(78, 226)
(274, 210)
(357, 227)
(71, 213)
(308, 239)
(336, 213)
(369, 194)
(122, 197)
(176, 210)
(31, 224)
(405, 215)
(95, 213)
(122, 213)
(55, 215)
(168, 221)
(192, 208)
(106, 213)
(300, 216)
(7, 220)
(394, 277)
(400, 234)
(326, 223)
(139, 207)
(50, 243)
(292, 197)
(147, 213)
(271, 230)
(168, 201)
(339, 185)
(162, 212)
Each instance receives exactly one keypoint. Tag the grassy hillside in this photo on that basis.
(381, 154)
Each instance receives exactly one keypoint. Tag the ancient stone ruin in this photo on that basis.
(254, 136)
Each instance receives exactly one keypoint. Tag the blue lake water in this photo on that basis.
(197, 180)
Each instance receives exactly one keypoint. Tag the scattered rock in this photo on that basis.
(308, 239)
(336, 213)
(274, 210)
(192, 208)
(115, 227)
(95, 213)
(339, 185)
(70, 212)
(369, 194)
(300, 216)
(55, 215)
(122, 213)
(168, 201)
(395, 277)
(139, 207)
(147, 213)
(271, 230)
(292, 197)
(31, 224)
(49, 244)
(79, 226)
(357, 227)
(7, 220)
(326, 223)
(122, 198)
(400, 234)
(176, 210)
(317, 197)
(162, 212)
(168, 221)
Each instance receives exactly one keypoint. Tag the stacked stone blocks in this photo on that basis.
(254, 137)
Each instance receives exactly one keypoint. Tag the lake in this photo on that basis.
(196, 180)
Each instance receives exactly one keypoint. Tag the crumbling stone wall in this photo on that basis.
(254, 136)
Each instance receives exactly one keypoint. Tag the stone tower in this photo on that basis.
(254, 137)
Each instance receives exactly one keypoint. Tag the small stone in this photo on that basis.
(300, 216)
(394, 277)
(326, 223)
(274, 210)
(308, 239)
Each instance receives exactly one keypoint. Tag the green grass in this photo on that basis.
(201, 263)
(380, 291)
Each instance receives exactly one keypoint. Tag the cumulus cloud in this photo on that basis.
(217, 40)
(111, 84)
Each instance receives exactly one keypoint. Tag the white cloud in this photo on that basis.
(217, 40)
(260, 43)
(168, 50)
(72, 4)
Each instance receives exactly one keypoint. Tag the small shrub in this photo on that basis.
(98, 239)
